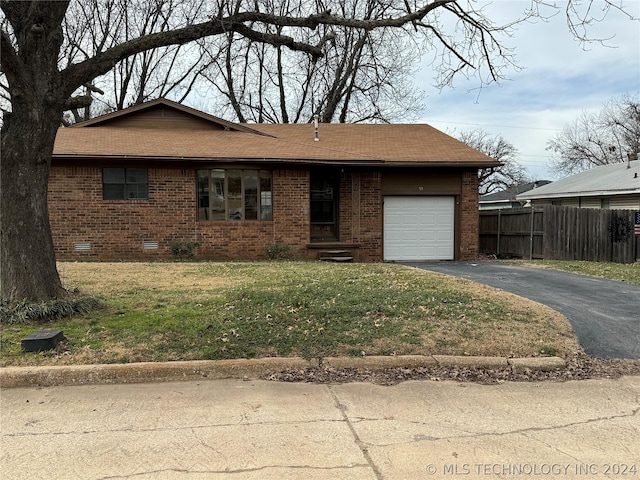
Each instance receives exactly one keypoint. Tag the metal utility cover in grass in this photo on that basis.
(42, 340)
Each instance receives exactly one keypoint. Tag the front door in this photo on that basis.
(324, 206)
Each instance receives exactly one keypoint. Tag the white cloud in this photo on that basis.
(561, 78)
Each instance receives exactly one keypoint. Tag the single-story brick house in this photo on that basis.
(130, 184)
(615, 186)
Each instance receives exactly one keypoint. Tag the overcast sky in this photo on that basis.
(561, 78)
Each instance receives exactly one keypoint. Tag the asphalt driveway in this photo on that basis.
(605, 314)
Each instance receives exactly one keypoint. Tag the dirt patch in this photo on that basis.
(97, 278)
(580, 367)
(505, 338)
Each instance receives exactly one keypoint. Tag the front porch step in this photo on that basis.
(336, 259)
(335, 256)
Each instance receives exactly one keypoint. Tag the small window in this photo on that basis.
(125, 184)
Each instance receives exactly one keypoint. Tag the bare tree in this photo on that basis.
(509, 174)
(598, 138)
(171, 71)
(364, 75)
(41, 83)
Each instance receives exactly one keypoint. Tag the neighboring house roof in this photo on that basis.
(607, 180)
(509, 195)
(115, 136)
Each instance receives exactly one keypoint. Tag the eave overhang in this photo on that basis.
(187, 161)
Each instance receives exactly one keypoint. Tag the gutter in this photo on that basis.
(295, 161)
(598, 193)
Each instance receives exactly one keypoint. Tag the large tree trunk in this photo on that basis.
(28, 267)
(27, 260)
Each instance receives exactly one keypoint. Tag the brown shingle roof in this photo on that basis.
(381, 144)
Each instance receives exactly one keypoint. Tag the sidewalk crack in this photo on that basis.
(361, 445)
(238, 471)
(429, 438)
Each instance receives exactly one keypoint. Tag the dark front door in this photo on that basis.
(324, 206)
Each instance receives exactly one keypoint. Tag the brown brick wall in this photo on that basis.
(371, 216)
(291, 209)
(116, 229)
(469, 216)
(348, 207)
(360, 213)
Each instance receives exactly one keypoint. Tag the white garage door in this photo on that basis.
(418, 228)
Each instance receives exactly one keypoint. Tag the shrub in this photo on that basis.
(184, 250)
(278, 251)
(52, 310)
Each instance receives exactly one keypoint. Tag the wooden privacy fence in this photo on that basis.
(560, 233)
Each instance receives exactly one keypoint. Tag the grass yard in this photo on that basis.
(626, 272)
(186, 311)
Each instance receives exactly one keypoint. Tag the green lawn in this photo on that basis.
(179, 311)
(626, 272)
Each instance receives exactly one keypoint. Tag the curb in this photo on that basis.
(49, 376)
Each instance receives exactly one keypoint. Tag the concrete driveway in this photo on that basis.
(605, 314)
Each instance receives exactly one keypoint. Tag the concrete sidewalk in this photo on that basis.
(234, 429)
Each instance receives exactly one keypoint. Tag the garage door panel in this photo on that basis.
(419, 228)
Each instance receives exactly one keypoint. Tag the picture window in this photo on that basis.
(232, 195)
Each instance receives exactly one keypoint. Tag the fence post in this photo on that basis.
(531, 235)
(498, 238)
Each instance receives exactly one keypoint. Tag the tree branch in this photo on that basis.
(10, 63)
(79, 101)
(78, 74)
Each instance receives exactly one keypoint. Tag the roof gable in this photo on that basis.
(163, 114)
(510, 193)
(167, 131)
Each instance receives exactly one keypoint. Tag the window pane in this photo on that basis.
(137, 175)
(203, 188)
(322, 201)
(113, 175)
(251, 194)
(137, 191)
(113, 192)
(217, 196)
(266, 210)
(322, 212)
(234, 194)
(203, 195)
